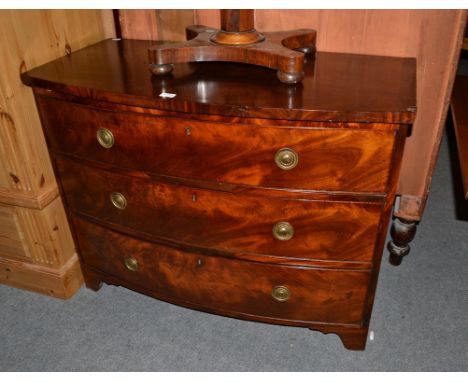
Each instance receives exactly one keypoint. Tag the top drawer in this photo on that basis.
(330, 159)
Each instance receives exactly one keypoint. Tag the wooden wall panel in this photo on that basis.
(61, 283)
(379, 32)
(108, 23)
(210, 17)
(37, 250)
(440, 40)
(432, 36)
(39, 237)
(31, 38)
(155, 24)
(172, 23)
(11, 237)
(47, 236)
(36, 247)
(139, 24)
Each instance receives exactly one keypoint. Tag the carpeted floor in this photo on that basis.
(420, 320)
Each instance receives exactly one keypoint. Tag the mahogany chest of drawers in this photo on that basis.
(240, 196)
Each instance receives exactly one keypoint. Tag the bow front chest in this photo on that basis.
(222, 189)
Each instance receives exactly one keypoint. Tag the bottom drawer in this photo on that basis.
(227, 286)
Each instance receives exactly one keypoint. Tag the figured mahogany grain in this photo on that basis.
(229, 286)
(351, 160)
(202, 187)
(336, 87)
(222, 220)
(41, 93)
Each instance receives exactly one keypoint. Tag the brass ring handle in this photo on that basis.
(118, 200)
(283, 231)
(286, 158)
(280, 293)
(105, 137)
(131, 264)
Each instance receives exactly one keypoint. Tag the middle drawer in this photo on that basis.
(237, 223)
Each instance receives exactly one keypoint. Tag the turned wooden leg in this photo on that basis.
(92, 280)
(402, 232)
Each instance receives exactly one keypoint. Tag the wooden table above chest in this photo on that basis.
(240, 195)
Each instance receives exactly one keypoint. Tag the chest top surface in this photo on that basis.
(336, 87)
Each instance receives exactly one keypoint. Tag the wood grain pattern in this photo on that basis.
(434, 37)
(36, 248)
(139, 24)
(29, 200)
(108, 23)
(26, 168)
(196, 115)
(229, 286)
(324, 230)
(60, 283)
(155, 24)
(438, 53)
(171, 23)
(202, 189)
(336, 87)
(47, 235)
(352, 336)
(275, 50)
(11, 238)
(340, 159)
(459, 105)
(37, 251)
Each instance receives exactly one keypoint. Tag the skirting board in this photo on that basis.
(62, 283)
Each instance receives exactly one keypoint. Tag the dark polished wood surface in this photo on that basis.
(339, 159)
(230, 286)
(323, 230)
(336, 87)
(203, 189)
(283, 51)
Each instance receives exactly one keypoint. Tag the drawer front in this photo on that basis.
(341, 159)
(227, 285)
(323, 230)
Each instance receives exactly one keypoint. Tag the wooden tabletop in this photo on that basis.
(336, 87)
